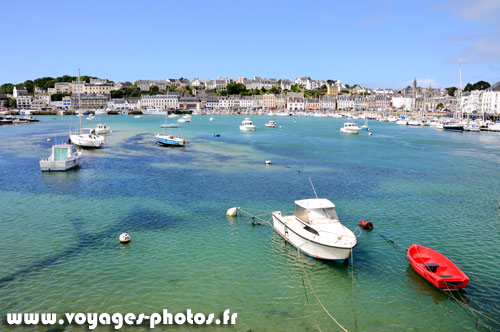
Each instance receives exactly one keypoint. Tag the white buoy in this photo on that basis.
(232, 212)
(268, 162)
(124, 238)
(370, 134)
(48, 140)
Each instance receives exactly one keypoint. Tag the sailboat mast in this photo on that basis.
(460, 90)
(79, 100)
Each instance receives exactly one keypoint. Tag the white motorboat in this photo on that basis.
(414, 122)
(91, 117)
(494, 127)
(185, 118)
(271, 124)
(247, 125)
(350, 128)
(138, 116)
(211, 119)
(63, 157)
(315, 230)
(402, 121)
(101, 129)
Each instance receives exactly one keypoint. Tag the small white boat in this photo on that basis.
(172, 116)
(138, 116)
(185, 118)
(315, 230)
(91, 117)
(88, 139)
(211, 119)
(271, 124)
(247, 125)
(402, 121)
(415, 122)
(101, 129)
(350, 128)
(170, 125)
(63, 157)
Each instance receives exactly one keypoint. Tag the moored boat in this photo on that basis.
(63, 158)
(247, 125)
(350, 128)
(315, 230)
(436, 268)
(271, 124)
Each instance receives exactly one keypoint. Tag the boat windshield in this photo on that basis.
(322, 216)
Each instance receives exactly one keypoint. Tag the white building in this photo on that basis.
(160, 101)
(62, 87)
(286, 84)
(66, 103)
(403, 102)
(295, 104)
(24, 101)
(491, 99)
(345, 102)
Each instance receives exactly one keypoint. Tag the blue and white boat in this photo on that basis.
(169, 140)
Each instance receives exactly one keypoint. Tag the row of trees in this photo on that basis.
(480, 85)
(43, 83)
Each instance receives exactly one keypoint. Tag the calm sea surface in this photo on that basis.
(59, 249)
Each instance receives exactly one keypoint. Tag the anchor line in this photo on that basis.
(316, 295)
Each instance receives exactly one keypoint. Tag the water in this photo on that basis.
(60, 252)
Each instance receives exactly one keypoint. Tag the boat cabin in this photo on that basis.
(316, 211)
(61, 152)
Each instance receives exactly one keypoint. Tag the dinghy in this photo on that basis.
(436, 268)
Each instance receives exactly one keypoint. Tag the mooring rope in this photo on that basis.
(309, 305)
(316, 295)
(353, 294)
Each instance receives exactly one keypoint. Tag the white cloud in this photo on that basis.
(476, 10)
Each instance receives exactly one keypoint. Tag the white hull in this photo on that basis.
(349, 131)
(295, 234)
(87, 140)
(70, 160)
(247, 128)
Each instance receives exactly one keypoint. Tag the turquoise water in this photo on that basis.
(60, 253)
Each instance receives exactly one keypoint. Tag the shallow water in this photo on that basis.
(60, 252)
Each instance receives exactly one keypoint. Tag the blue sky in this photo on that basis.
(381, 43)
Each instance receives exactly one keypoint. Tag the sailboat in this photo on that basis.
(365, 126)
(456, 125)
(86, 140)
(169, 140)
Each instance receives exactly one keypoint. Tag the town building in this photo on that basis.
(163, 102)
(490, 101)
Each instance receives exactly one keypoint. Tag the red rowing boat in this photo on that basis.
(436, 268)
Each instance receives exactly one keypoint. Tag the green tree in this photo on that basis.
(58, 96)
(480, 85)
(295, 88)
(451, 91)
(7, 88)
(12, 103)
(440, 106)
(344, 91)
(235, 88)
(274, 90)
(154, 89)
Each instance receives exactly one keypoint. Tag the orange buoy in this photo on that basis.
(366, 225)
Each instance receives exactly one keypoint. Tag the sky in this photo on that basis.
(384, 43)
